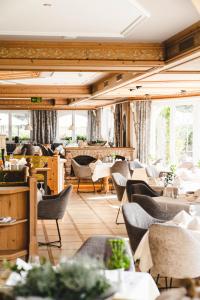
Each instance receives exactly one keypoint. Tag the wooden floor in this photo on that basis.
(87, 214)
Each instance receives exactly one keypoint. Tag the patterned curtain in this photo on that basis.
(94, 125)
(117, 127)
(142, 129)
(44, 124)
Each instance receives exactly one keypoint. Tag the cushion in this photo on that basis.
(28, 149)
(44, 149)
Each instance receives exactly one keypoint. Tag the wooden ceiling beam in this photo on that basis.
(50, 104)
(67, 56)
(45, 91)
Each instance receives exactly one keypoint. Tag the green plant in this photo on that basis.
(81, 138)
(77, 279)
(67, 138)
(170, 175)
(118, 259)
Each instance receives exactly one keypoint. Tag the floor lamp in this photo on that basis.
(3, 147)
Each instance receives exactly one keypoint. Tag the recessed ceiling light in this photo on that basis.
(47, 4)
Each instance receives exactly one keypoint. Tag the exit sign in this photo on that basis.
(36, 99)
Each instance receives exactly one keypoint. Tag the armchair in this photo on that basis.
(137, 222)
(97, 247)
(119, 182)
(53, 207)
(82, 172)
(139, 187)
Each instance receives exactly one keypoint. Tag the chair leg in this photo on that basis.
(166, 283)
(78, 185)
(52, 244)
(157, 279)
(116, 221)
(170, 285)
(93, 186)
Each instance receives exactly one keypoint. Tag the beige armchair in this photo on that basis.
(175, 251)
(82, 172)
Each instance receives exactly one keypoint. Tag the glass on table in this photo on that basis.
(194, 210)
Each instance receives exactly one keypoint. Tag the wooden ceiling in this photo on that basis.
(130, 71)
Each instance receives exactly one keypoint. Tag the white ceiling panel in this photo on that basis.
(96, 20)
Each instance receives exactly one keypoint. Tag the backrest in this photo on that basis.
(136, 216)
(81, 171)
(84, 159)
(122, 168)
(98, 247)
(174, 250)
(137, 223)
(119, 182)
(139, 187)
(147, 203)
(119, 157)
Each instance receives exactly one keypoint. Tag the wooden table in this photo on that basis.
(44, 171)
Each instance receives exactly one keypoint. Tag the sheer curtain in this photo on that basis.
(142, 123)
(44, 124)
(94, 125)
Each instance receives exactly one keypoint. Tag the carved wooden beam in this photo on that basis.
(45, 91)
(46, 104)
(78, 56)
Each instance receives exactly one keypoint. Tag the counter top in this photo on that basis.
(13, 189)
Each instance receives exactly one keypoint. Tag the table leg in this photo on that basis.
(106, 184)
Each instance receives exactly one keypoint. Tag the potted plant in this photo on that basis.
(118, 259)
(81, 140)
(75, 279)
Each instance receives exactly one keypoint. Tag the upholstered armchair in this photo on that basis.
(99, 248)
(139, 187)
(82, 172)
(119, 182)
(175, 251)
(121, 167)
(137, 222)
(53, 207)
(152, 207)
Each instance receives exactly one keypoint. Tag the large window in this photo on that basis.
(107, 124)
(71, 124)
(12, 123)
(173, 136)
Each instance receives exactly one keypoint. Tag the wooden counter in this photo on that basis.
(18, 239)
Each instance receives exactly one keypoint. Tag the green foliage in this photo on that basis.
(67, 138)
(118, 259)
(81, 138)
(165, 113)
(170, 175)
(72, 280)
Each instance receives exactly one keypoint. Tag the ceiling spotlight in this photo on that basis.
(138, 87)
(131, 90)
(183, 91)
(47, 4)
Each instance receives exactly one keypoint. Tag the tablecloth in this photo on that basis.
(135, 286)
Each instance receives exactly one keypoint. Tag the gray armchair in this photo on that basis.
(137, 222)
(53, 207)
(139, 187)
(152, 207)
(82, 172)
(98, 247)
(119, 182)
(121, 167)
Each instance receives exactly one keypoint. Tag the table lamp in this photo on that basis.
(3, 147)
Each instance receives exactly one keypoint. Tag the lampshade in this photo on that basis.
(28, 127)
(2, 141)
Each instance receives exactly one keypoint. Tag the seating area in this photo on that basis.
(99, 150)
